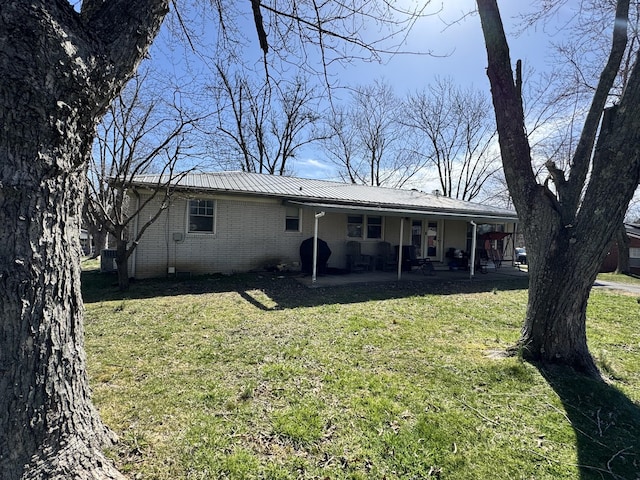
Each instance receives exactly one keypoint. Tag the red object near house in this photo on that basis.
(611, 261)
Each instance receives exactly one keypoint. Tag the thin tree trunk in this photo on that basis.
(99, 241)
(122, 264)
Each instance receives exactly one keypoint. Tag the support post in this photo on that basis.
(315, 248)
(472, 267)
(400, 248)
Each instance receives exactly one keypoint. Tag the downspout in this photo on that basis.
(472, 269)
(400, 248)
(315, 247)
(513, 245)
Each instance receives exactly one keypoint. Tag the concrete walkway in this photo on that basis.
(413, 276)
(441, 276)
(623, 287)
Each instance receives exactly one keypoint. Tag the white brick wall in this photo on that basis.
(250, 235)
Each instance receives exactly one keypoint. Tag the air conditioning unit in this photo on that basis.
(108, 261)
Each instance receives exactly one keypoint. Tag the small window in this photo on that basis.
(374, 227)
(201, 216)
(354, 226)
(292, 220)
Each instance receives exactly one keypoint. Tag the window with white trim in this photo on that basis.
(201, 216)
(292, 221)
(374, 227)
(355, 226)
(364, 226)
(634, 257)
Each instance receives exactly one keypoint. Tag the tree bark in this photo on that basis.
(100, 236)
(58, 71)
(122, 264)
(554, 329)
(569, 228)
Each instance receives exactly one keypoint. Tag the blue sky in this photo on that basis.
(460, 50)
(460, 54)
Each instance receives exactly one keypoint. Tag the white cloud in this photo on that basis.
(314, 168)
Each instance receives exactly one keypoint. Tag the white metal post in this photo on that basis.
(400, 248)
(474, 229)
(315, 247)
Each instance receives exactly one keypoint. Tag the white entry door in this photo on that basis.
(432, 240)
(425, 238)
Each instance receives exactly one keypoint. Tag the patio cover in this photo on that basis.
(395, 211)
(472, 216)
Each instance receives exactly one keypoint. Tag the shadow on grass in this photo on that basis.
(605, 421)
(283, 290)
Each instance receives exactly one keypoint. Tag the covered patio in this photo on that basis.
(433, 238)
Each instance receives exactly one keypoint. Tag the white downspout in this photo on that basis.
(400, 248)
(513, 245)
(315, 247)
(472, 270)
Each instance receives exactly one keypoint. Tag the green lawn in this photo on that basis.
(620, 278)
(257, 377)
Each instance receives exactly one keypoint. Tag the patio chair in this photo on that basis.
(356, 261)
(386, 259)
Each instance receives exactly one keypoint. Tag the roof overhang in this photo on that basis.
(479, 217)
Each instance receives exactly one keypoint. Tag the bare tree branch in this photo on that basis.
(134, 138)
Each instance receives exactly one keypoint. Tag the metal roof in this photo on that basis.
(316, 193)
(633, 229)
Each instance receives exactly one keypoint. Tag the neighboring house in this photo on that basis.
(86, 242)
(238, 222)
(611, 261)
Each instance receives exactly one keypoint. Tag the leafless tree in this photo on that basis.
(458, 134)
(367, 140)
(60, 68)
(568, 220)
(137, 135)
(265, 124)
(579, 59)
(341, 146)
(376, 129)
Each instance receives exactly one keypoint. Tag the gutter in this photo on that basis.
(404, 212)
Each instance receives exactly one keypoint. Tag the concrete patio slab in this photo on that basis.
(413, 276)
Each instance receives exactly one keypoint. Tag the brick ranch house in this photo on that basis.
(227, 222)
(611, 261)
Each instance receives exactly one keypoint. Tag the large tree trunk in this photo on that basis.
(569, 227)
(563, 264)
(58, 71)
(554, 330)
(48, 427)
